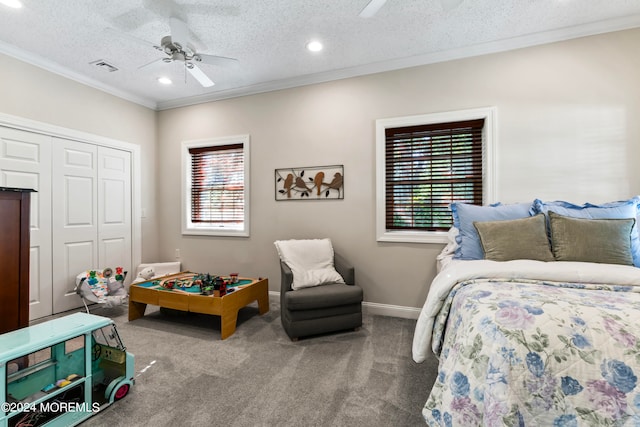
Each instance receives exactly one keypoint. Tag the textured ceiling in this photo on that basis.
(268, 38)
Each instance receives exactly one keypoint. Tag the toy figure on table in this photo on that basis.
(204, 283)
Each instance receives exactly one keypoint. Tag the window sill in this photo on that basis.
(414, 237)
(214, 232)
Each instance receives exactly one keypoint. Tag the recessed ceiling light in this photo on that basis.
(314, 46)
(16, 4)
(164, 80)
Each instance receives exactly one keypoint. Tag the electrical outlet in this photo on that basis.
(177, 253)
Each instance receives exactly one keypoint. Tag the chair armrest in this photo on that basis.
(346, 270)
(286, 278)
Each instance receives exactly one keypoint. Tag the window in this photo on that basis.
(426, 162)
(216, 186)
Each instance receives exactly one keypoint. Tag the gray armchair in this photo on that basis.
(320, 309)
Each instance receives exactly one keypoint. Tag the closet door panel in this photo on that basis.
(75, 212)
(25, 162)
(114, 214)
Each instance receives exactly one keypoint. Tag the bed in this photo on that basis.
(534, 340)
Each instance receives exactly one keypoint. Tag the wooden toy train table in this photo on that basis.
(244, 293)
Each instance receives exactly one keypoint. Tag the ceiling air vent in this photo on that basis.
(101, 63)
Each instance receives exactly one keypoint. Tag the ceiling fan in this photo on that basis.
(375, 5)
(177, 48)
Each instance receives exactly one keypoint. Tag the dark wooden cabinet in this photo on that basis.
(14, 258)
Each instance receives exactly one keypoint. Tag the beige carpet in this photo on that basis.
(187, 376)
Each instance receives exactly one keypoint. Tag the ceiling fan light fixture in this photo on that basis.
(314, 46)
(177, 49)
(178, 56)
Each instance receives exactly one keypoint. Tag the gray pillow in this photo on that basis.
(524, 238)
(605, 241)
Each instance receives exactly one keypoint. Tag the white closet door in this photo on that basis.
(75, 218)
(114, 208)
(25, 162)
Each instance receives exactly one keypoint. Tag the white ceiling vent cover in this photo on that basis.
(101, 63)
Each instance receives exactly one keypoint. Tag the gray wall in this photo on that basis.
(566, 129)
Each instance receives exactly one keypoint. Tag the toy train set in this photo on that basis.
(203, 283)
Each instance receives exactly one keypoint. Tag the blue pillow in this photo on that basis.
(464, 215)
(614, 210)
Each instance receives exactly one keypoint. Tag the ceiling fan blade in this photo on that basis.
(372, 8)
(179, 32)
(128, 36)
(133, 19)
(160, 8)
(150, 63)
(215, 60)
(200, 76)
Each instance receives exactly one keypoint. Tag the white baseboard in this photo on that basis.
(391, 310)
(375, 308)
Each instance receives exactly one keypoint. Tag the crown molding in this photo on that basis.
(519, 42)
(53, 67)
(527, 40)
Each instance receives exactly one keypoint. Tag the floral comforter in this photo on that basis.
(533, 343)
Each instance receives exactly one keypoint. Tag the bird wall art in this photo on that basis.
(310, 183)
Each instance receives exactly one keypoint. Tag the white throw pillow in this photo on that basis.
(310, 261)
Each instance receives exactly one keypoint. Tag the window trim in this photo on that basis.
(489, 141)
(204, 229)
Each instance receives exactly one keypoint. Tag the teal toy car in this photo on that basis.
(63, 371)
